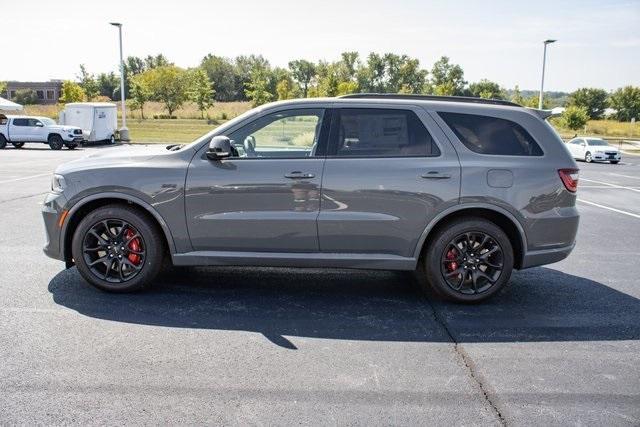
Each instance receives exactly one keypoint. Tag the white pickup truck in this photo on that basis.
(20, 129)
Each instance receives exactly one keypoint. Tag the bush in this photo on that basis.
(575, 118)
(164, 116)
(26, 97)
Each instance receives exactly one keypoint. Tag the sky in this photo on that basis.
(598, 41)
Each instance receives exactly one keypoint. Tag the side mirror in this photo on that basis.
(219, 148)
(39, 124)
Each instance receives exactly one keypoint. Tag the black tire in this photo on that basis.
(152, 244)
(587, 157)
(3, 141)
(434, 262)
(55, 142)
(17, 144)
(615, 162)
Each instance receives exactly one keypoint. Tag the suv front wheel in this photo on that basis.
(117, 249)
(468, 261)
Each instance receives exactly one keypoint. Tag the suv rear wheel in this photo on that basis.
(117, 249)
(468, 261)
(18, 144)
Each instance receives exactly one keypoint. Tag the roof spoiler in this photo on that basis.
(545, 114)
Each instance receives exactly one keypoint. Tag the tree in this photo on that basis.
(447, 78)
(244, 67)
(157, 61)
(257, 88)
(285, 90)
(169, 85)
(88, 83)
(594, 101)
(134, 65)
(108, 84)
(222, 73)
(72, 92)
(26, 96)
(140, 91)
(574, 117)
(3, 88)
(303, 73)
(486, 89)
(201, 90)
(626, 101)
(516, 96)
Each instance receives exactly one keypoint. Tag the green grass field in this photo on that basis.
(167, 131)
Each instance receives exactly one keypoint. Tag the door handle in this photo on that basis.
(299, 175)
(435, 175)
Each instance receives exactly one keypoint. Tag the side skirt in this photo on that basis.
(283, 259)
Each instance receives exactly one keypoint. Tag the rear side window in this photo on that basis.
(369, 132)
(20, 122)
(491, 135)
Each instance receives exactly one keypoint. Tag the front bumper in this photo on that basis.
(606, 157)
(52, 213)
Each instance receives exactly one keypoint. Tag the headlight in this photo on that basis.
(58, 184)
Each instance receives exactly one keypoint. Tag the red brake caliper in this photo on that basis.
(451, 255)
(134, 245)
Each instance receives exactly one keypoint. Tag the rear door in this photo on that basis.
(18, 130)
(388, 172)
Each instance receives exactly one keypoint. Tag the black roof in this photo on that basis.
(467, 99)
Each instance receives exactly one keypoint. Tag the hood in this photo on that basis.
(63, 127)
(114, 156)
(609, 148)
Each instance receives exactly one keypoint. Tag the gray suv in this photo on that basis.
(459, 190)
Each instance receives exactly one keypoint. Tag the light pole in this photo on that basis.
(544, 60)
(124, 132)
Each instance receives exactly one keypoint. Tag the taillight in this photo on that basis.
(569, 178)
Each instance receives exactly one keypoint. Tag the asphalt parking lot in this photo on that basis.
(283, 346)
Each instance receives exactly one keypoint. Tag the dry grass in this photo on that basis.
(605, 128)
(219, 111)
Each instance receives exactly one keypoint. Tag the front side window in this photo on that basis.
(285, 134)
(491, 135)
(370, 132)
(34, 122)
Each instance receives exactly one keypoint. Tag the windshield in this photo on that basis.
(48, 122)
(598, 142)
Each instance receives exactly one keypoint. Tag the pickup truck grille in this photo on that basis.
(77, 131)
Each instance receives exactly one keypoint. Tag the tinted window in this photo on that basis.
(381, 133)
(20, 122)
(289, 134)
(34, 122)
(491, 135)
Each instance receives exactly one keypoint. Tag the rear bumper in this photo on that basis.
(546, 256)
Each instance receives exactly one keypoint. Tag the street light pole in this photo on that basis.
(124, 132)
(544, 60)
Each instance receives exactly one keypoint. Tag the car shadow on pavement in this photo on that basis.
(542, 304)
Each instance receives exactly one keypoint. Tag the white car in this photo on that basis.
(21, 129)
(593, 149)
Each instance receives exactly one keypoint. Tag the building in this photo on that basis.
(47, 92)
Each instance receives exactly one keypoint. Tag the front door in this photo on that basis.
(386, 176)
(265, 198)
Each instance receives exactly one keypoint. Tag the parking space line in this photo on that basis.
(610, 208)
(24, 178)
(610, 185)
(607, 187)
(625, 176)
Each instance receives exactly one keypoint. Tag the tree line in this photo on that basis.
(252, 78)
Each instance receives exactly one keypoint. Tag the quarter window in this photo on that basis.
(369, 132)
(491, 135)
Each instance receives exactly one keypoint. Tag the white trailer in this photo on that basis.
(98, 120)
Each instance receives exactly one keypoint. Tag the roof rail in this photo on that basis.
(467, 99)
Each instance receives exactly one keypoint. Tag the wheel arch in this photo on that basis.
(499, 216)
(90, 203)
